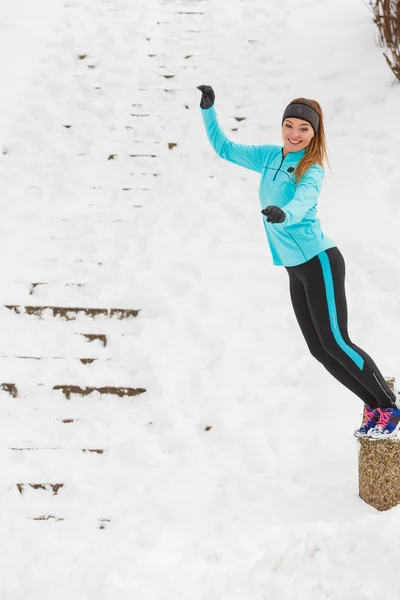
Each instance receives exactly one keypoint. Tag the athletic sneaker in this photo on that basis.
(388, 423)
(371, 417)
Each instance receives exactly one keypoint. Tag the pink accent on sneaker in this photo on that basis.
(384, 417)
(369, 414)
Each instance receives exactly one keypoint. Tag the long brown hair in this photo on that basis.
(316, 151)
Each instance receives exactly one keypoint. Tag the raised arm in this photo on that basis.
(250, 157)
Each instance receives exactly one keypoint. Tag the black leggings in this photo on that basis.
(317, 291)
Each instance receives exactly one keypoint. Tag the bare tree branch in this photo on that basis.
(387, 18)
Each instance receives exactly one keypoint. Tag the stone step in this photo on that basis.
(68, 390)
(52, 487)
(22, 291)
(98, 451)
(37, 367)
(48, 359)
(62, 423)
(49, 340)
(104, 211)
(69, 313)
(52, 463)
(63, 249)
(101, 523)
(97, 339)
(44, 268)
(77, 390)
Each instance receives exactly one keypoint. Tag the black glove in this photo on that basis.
(274, 214)
(208, 96)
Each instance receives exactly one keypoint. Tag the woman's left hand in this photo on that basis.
(274, 214)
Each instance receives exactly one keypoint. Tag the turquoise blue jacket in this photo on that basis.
(299, 238)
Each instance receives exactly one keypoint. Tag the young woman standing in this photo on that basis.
(291, 178)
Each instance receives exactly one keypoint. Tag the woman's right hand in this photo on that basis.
(207, 97)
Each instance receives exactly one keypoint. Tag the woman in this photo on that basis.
(291, 178)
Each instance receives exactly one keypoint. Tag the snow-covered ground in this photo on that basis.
(234, 475)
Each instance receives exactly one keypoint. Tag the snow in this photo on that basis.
(235, 474)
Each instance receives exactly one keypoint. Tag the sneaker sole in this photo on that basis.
(361, 435)
(385, 436)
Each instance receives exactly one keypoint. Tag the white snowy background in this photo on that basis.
(234, 476)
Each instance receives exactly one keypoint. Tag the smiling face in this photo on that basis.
(296, 134)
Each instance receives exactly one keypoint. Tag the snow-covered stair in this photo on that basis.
(91, 158)
(93, 140)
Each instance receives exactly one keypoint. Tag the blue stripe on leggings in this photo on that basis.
(330, 296)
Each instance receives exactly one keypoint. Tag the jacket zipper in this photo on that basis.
(283, 158)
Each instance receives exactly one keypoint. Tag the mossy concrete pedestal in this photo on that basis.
(379, 470)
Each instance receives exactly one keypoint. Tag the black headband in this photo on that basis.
(304, 112)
